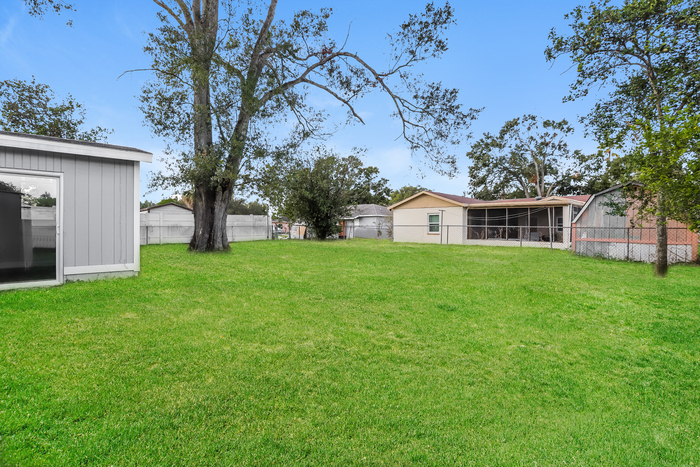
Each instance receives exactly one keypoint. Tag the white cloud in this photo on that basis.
(6, 31)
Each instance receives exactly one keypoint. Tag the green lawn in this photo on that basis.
(354, 353)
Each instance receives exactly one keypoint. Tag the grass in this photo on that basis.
(355, 353)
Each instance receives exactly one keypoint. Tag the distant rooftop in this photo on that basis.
(368, 210)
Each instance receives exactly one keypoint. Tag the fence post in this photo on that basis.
(160, 228)
(521, 236)
(551, 234)
(448, 235)
(628, 243)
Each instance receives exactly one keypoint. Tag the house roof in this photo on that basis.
(578, 200)
(464, 201)
(70, 146)
(453, 199)
(611, 189)
(367, 210)
(459, 199)
(157, 206)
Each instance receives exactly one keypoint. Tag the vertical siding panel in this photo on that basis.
(82, 218)
(26, 160)
(129, 213)
(108, 212)
(94, 213)
(16, 159)
(119, 250)
(68, 167)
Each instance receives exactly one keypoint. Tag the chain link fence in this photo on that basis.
(632, 244)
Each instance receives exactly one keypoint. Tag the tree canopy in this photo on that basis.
(240, 206)
(405, 192)
(528, 157)
(645, 53)
(225, 73)
(30, 107)
(318, 188)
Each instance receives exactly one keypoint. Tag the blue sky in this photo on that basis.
(496, 59)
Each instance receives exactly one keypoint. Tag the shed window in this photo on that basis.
(433, 223)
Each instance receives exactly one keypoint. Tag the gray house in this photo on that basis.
(69, 210)
(367, 221)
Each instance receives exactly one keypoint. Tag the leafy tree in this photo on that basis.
(369, 188)
(239, 206)
(528, 157)
(8, 187)
(46, 200)
(168, 201)
(317, 189)
(224, 73)
(147, 204)
(29, 107)
(646, 53)
(39, 7)
(405, 192)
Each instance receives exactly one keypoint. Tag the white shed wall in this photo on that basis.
(99, 205)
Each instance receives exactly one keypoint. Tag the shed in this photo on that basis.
(69, 210)
(598, 232)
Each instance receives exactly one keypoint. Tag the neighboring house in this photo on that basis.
(281, 225)
(367, 221)
(597, 233)
(169, 208)
(430, 217)
(69, 210)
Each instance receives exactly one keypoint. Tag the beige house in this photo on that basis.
(430, 217)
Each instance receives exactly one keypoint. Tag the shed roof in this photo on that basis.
(609, 190)
(157, 206)
(70, 146)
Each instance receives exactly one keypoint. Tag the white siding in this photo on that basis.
(98, 225)
(411, 225)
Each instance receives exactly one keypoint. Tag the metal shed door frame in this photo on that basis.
(59, 229)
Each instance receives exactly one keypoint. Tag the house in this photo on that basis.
(69, 210)
(169, 208)
(431, 217)
(367, 221)
(597, 232)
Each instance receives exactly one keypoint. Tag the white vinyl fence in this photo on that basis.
(165, 227)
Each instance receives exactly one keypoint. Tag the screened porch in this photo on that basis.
(537, 224)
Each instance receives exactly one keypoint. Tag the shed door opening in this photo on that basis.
(28, 228)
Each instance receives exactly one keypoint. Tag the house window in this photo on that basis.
(433, 223)
(560, 224)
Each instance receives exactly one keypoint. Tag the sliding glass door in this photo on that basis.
(29, 220)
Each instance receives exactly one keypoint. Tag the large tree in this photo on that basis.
(31, 107)
(528, 157)
(225, 73)
(645, 52)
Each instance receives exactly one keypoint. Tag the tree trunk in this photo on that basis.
(210, 217)
(661, 265)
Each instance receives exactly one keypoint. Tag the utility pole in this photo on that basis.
(442, 214)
